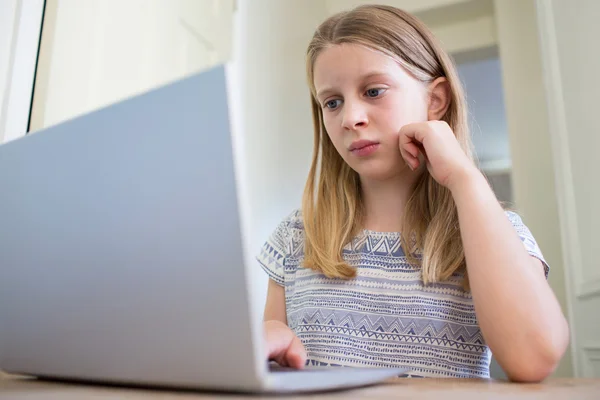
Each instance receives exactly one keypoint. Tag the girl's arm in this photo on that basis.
(283, 346)
(275, 305)
(517, 311)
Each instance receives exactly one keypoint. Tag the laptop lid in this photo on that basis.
(120, 248)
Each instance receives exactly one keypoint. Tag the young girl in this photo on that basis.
(401, 255)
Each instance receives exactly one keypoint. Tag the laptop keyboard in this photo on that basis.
(274, 367)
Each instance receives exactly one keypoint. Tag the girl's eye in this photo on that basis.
(333, 104)
(375, 92)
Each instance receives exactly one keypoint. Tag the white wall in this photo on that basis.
(97, 52)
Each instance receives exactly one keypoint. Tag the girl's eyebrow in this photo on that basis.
(369, 75)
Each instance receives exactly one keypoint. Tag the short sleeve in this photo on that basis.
(527, 238)
(275, 250)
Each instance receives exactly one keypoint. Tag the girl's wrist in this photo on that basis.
(465, 179)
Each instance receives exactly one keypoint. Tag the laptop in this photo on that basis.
(122, 256)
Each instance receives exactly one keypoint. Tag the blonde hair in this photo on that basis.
(332, 206)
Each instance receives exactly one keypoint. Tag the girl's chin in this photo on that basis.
(374, 173)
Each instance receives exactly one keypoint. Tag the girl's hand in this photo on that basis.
(283, 346)
(435, 141)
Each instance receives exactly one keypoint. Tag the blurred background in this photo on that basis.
(529, 68)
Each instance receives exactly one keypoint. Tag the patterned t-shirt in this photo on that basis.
(385, 316)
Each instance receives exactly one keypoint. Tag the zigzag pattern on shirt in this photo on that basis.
(413, 301)
(439, 318)
(389, 327)
(377, 244)
(388, 336)
(431, 313)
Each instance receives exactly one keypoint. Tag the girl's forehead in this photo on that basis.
(352, 57)
(346, 62)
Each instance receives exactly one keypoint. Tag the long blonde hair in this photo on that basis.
(332, 206)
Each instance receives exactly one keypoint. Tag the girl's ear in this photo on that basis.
(439, 98)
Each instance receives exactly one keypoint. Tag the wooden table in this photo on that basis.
(422, 389)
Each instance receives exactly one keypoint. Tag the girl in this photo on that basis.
(401, 255)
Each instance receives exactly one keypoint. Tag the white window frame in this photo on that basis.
(22, 62)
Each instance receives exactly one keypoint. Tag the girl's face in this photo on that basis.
(366, 97)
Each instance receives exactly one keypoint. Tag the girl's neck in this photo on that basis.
(384, 202)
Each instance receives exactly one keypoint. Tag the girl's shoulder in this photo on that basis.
(288, 233)
(517, 222)
(287, 240)
(513, 216)
(292, 222)
(527, 238)
(295, 217)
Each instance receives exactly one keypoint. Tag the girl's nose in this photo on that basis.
(354, 116)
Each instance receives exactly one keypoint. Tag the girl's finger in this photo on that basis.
(296, 354)
(422, 151)
(414, 132)
(411, 161)
(412, 149)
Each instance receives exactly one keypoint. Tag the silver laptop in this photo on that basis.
(121, 253)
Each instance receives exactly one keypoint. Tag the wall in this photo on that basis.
(94, 53)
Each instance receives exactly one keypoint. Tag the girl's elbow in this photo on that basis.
(531, 372)
(542, 359)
